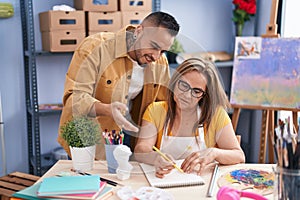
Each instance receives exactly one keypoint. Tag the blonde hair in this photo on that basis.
(214, 97)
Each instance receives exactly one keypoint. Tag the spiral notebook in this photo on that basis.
(174, 179)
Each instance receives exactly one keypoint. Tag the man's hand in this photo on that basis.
(118, 109)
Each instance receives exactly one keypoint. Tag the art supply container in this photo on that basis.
(112, 163)
(287, 184)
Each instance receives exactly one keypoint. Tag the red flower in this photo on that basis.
(249, 6)
(242, 11)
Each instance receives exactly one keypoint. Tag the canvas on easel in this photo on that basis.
(266, 76)
(266, 73)
(255, 52)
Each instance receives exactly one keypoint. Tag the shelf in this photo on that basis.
(224, 64)
(45, 112)
(47, 53)
(49, 112)
(47, 161)
(218, 64)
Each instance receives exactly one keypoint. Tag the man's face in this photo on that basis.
(151, 43)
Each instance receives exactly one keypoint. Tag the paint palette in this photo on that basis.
(252, 180)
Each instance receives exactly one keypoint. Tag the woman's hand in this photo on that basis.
(162, 166)
(197, 161)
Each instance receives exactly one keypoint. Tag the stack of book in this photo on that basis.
(68, 187)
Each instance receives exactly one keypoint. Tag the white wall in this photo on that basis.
(12, 91)
(291, 16)
(207, 24)
(51, 72)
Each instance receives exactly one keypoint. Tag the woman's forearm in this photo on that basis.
(227, 157)
(144, 154)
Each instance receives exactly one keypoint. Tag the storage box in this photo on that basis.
(135, 5)
(62, 20)
(104, 21)
(133, 18)
(96, 5)
(62, 41)
(92, 32)
(13, 182)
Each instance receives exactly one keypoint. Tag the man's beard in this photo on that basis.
(138, 56)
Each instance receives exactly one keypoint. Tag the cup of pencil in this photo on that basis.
(112, 140)
(287, 184)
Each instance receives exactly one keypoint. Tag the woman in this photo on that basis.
(192, 124)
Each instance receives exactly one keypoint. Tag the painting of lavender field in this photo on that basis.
(266, 73)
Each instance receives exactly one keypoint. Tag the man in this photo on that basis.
(115, 76)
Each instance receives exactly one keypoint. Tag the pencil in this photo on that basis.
(168, 159)
(110, 182)
(212, 181)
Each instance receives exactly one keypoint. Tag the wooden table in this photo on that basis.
(137, 178)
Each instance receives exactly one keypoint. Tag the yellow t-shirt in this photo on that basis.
(156, 113)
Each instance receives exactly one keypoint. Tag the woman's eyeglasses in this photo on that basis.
(195, 92)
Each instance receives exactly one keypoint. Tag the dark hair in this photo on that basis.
(161, 19)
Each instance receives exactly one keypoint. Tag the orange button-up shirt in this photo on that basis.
(100, 71)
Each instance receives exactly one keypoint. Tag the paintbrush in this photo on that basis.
(297, 152)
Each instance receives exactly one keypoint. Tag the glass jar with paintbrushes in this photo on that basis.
(287, 151)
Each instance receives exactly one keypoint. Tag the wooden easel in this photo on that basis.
(267, 130)
(270, 32)
(272, 26)
(268, 124)
(268, 115)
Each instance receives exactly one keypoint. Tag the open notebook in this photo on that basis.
(174, 179)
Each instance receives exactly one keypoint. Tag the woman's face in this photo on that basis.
(189, 90)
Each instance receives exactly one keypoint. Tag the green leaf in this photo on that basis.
(240, 16)
(81, 131)
(176, 47)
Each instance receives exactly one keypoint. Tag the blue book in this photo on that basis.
(69, 185)
(29, 192)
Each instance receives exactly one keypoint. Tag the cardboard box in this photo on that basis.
(104, 21)
(135, 5)
(133, 18)
(96, 5)
(92, 32)
(62, 20)
(62, 41)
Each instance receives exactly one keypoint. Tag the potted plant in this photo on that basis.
(175, 49)
(82, 134)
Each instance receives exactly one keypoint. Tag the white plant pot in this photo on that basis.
(83, 158)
